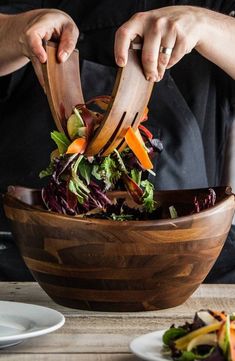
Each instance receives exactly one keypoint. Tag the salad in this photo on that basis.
(80, 184)
(210, 337)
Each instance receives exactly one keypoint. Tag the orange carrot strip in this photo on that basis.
(77, 146)
(220, 314)
(232, 344)
(232, 324)
(136, 144)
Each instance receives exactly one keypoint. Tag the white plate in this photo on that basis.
(149, 347)
(20, 321)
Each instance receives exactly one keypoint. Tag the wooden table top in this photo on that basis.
(89, 336)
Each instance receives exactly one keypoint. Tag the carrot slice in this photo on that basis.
(218, 315)
(77, 146)
(232, 344)
(136, 144)
(232, 324)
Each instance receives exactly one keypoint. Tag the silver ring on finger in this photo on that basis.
(165, 50)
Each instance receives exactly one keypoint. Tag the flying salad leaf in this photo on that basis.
(76, 185)
(110, 171)
(61, 141)
(85, 169)
(147, 198)
(136, 175)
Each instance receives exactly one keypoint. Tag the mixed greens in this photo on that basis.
(210, 337)
(79, 183)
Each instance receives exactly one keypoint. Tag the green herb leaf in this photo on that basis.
(48, 171)
(61, 141)
(110, 173)
(187, 356)
(136, 176)
(191, 356)
(148, 201)
(76, 164)
(172, 334)
(76, 185)
(121, 163)
(73, 189)
(85, 169)
(96, 172)
(121, 217)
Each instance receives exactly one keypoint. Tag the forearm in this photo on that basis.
(11, 56)
(217, 41)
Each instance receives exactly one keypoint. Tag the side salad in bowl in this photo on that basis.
(209, 337)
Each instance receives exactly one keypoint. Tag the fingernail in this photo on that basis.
(152, 78)
(64, 56)
(42, 58)
(120, 61)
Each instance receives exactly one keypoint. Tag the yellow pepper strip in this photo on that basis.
(182, 342)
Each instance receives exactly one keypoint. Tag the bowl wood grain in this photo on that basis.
(108, 265)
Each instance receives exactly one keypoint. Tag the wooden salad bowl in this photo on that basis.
(108, 265)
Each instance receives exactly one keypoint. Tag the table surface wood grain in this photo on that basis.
(89, 336)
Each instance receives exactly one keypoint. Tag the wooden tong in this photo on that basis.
(130, 96)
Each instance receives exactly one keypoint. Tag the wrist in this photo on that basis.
(210, 29)
(199, 16)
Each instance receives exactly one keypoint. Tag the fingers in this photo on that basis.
(180, 49)
(165, 53)
(68, 41)
(154, 59)
(168, 34)
(155, 32)
(46, 25)
(123, 37)
(121, 46)
(159, 40)
(150, 53)
(122, 42)
(32, 46)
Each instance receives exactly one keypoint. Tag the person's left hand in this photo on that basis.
(168, 34)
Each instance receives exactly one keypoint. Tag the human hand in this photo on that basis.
(176, 28)
(47, 24)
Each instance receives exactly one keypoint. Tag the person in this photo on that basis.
(188, 50)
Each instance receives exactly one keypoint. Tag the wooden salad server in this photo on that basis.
(62, 84)
(129, 99)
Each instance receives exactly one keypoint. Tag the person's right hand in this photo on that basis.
(47, 24)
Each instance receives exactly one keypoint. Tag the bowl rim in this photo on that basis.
(94, 221)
